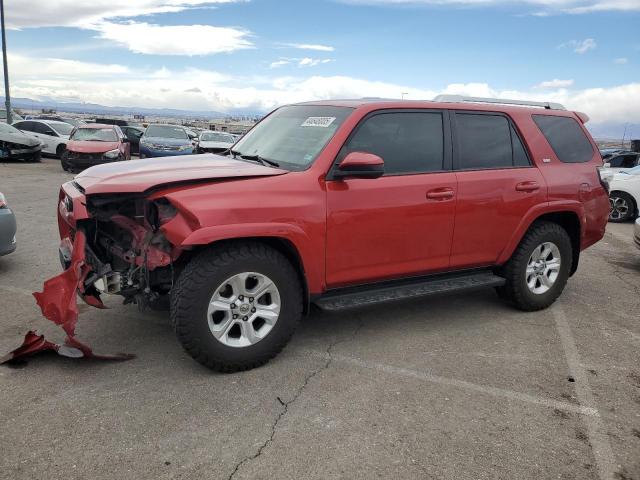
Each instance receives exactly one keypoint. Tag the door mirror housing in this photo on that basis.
(360, 165)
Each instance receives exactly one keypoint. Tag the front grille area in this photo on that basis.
(84, 156)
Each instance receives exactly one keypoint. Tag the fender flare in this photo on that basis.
(559, 206)
(312, 264)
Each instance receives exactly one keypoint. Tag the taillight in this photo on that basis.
(605, 175)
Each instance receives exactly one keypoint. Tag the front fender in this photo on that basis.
(311, 252)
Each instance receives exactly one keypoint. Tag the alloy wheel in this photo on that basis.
(543, 268)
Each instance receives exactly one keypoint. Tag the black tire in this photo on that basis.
(60, 150)
(199, 280)
(615, 213)
(64, 163)
(516, 289)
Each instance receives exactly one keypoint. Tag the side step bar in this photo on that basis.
(354, 297)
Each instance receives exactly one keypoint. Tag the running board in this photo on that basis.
(354, 297)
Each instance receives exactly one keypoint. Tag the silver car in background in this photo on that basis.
(7, 228)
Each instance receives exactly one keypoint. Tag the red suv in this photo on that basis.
(341, 204)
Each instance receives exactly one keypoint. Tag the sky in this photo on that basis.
(253, 55)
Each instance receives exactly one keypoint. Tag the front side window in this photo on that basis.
(293, 136)
(95, 135)
(408, 142)
(566, 138)
(488, 141)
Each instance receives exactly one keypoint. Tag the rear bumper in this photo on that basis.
(7, 231)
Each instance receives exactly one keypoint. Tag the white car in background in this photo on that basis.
(215, 142)
(624, 195)
(54, 135)
(622, 161)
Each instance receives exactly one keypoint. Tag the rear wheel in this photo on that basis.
(236, 307)
(539, 269)
(623, 208)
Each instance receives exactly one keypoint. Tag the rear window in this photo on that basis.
(565, 136)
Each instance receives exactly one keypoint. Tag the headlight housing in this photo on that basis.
(112, 154)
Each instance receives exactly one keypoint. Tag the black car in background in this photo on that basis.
(133, 135)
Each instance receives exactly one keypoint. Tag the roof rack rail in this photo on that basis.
(502, 101)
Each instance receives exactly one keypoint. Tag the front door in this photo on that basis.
(400, 224)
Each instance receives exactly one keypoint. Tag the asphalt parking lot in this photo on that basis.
(455, 387)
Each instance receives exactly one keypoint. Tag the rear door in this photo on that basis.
(497, 185)
(401, 223)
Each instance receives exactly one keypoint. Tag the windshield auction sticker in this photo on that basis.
(323, 122)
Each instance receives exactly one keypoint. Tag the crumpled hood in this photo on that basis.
(20, 139)
(141, 175)
(88, 146)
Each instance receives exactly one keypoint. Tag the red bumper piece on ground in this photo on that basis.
(58, 302)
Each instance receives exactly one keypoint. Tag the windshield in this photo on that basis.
(166, 131)
(6, 128)
(216, 137)
(293, 136)
(61, 128)
(95, 135)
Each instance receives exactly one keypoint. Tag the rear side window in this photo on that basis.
(408, 142)
(488, 141)
(565, 136)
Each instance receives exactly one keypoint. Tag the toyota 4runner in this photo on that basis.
(340, 204)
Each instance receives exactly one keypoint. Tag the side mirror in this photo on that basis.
(360, 165)
(607, 165)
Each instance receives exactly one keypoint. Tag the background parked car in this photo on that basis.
(609, 152)
(53, 134)
(133, 135)
(95, 144)
(165, 140)
(15, 145)
(215, 142)
(7, 228)
(624, 195)
(622, 160)
(14, 116)
(76, 122)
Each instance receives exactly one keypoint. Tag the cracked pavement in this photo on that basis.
(452, 387)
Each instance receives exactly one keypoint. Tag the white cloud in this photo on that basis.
(300, 62)
(621, 61)
(195, 89)
(547, 6)
(309, 46)
(555, 83)
(580, 46)
(74, 13)
(174, 39)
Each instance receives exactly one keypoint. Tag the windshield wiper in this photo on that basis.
(255, 158)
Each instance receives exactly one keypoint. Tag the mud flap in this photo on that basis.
(58, 302)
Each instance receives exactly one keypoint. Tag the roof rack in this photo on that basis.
(502, 101)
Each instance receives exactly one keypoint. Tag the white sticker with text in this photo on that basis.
(323, 122)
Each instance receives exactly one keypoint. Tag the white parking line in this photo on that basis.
(605, 459)
(428, 377)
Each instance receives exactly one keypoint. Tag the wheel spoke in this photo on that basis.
(221, 331)
(264, 285)
(553, 265)
(248, 333)
(544, 280)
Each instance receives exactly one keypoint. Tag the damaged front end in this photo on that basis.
(111, 244)
(126, 251)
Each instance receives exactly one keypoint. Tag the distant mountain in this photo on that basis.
(615, 131)
(94, 108)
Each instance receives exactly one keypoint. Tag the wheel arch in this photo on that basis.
(283, 245)
(569, 219)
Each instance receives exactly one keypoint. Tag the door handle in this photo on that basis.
(528, 186)
(440, 194)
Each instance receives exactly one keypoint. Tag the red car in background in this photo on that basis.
(95, 144)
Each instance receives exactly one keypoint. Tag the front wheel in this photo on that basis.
(539, 269)
(60, 150)
(235, 307)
